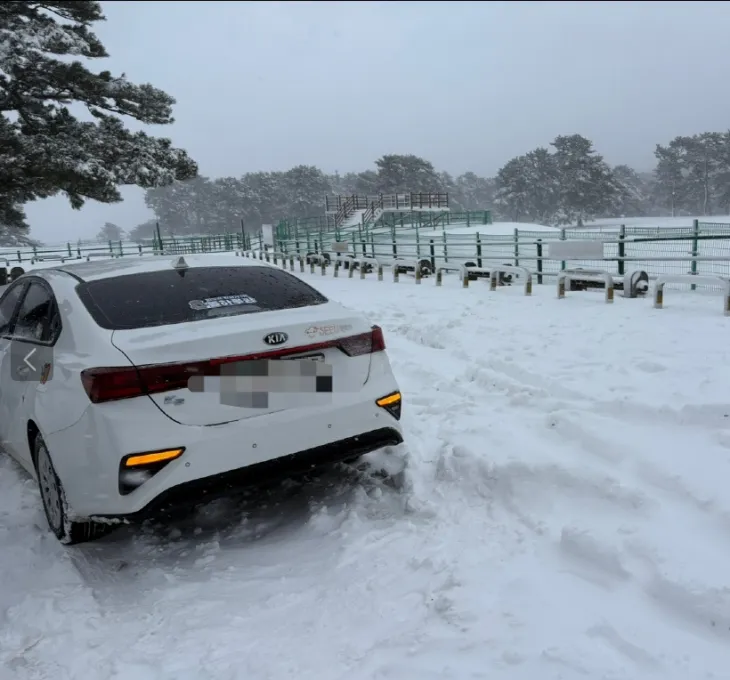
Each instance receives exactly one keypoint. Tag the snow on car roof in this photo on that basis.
(103, 269)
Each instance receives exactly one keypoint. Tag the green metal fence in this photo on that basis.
(699, 248)
(185, 245)
(322, 226)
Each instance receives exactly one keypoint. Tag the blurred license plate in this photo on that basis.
(305, 357)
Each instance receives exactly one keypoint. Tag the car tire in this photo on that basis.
(53, 498)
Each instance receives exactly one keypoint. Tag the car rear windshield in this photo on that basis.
(167, 297)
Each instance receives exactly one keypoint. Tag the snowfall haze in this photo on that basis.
(273, 85)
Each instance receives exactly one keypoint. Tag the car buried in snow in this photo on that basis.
(130, 385)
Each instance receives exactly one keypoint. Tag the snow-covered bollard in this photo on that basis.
(523, 272)
(586, 275)
(693, 279)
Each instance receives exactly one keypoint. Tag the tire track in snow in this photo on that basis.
(582, 422)
(521, 516)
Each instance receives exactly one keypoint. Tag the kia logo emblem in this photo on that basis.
(276, 338)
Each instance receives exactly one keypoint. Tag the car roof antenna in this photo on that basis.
(180, 265)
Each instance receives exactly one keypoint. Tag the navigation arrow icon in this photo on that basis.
(26, 360)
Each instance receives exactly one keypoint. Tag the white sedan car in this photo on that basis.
(127, 385)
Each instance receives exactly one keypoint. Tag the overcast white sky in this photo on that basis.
(467, 85)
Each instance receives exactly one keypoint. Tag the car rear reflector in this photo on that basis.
(126, 382)
(153, 458)
(392, 403)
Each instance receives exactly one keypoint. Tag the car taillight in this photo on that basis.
(106, 384)
(365, 343)
(378, 340)
(125, 382)
(111, 384)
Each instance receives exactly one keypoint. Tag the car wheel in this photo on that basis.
(54, 502)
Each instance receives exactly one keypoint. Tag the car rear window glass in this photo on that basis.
(167, 297)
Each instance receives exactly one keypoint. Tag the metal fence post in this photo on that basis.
(621, 249)
(695, 248)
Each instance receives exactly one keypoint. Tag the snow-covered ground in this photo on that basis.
(500, 229)
(566, 516)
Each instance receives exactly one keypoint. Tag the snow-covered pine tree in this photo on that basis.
(304, 188)
(406, 173)
(633, 195)
(542, 175)
(513, 195)
(669, 185)
(722, 177)
(587, 186)
(693, 174)
(701, 158)
(475, 193)
(144, 232)
(44, 148)
(528, 188)
(110, 232)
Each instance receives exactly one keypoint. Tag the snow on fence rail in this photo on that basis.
(699, 249)
(690, 250)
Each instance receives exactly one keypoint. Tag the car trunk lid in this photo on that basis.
(211, 351)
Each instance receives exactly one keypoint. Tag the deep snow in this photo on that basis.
(566, 516)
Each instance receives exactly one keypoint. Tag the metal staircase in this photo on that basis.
(359, 209)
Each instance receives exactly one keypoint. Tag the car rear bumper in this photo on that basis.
(204, 489)
(88, 454)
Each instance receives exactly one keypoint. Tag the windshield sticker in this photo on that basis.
(222, 301)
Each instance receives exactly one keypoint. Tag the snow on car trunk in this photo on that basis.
(227, 363)
(218, 344)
